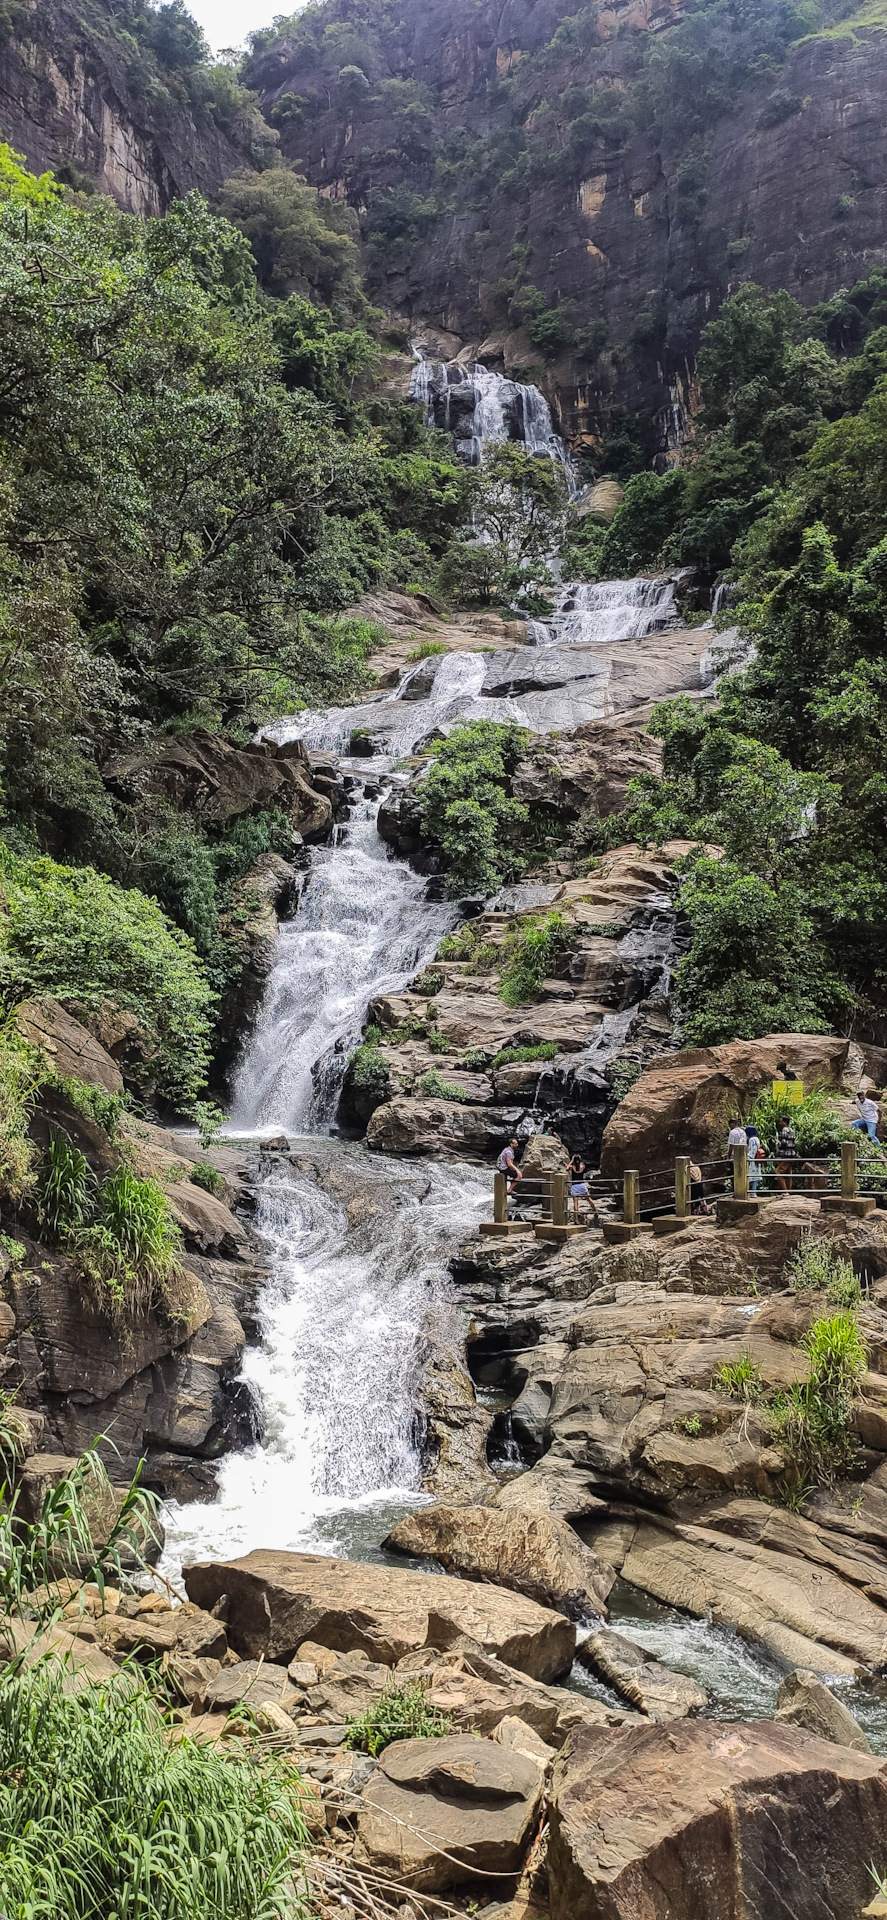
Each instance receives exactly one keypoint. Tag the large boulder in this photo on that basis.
(439, 1812)
(71, 1052)
(585, 772)
(479, 1693)
(205, 774)
(701, 1821)
(277, 1600)
(805, 1701)
(531, 1553)
(682, 1103)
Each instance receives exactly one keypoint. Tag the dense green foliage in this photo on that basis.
(467, 807)
(191, 496)
(106, 1809)
(812, 1420)
(530, 954)
(517, 503)
(120, 1235)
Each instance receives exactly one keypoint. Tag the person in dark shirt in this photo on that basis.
(786, 1155)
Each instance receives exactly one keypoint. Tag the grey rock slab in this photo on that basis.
(437, 1813)
(654, 1689)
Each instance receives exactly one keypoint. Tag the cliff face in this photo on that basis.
(485, 147)
(67, 102)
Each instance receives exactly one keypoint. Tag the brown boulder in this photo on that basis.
(682, 1103)
(701, 1821)
(439, 1812)
(586, 771)
(531, 1553)
(804, 1701)
(479, 1693)
(278, 1600)
(203, 773)
(439, 1127)
(71, 1052)
(251, 1683)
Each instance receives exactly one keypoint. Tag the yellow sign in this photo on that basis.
(788, 1093)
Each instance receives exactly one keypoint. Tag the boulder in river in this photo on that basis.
(701, 1820)
(439, 1812)
(638, 1676)
(532, 1553)
(804, 1701)
(278, 1600)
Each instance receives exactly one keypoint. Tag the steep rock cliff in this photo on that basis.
(499, 157)
(70, 100)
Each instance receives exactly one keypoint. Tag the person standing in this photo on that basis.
(735, 1138)
(756, 1158)
(579, 1188)
(786, 1155)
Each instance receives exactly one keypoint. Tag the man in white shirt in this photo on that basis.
(869, 1115)
(736, 1136)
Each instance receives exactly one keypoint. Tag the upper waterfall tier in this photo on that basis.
(479, 408)
(610, 610)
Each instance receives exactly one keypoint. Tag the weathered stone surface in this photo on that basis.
(682, 1103)
(203, 772)
(699, 1820)
(804, 1616)
(251, 1682)
(205, 1221)
(185, 1630)
(439, 1812)
(534, 1554)
(803, 1701)
(652, 1688)
(586, 772)
(278, 1600)
(71, 1051)
(479, 1693)
(424, 1126)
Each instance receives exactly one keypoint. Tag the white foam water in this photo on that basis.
(609, 610)
(357, 1302)
(364, 927)
(480, 409)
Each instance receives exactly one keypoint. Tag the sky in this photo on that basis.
(226, 23)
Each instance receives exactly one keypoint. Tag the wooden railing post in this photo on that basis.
(740, 1173)
(559, 1199)
(631, 1198)
(682, 1186)
(500, 1199)
(848, 1170)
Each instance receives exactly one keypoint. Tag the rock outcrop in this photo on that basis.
(535, 1554)
(699, 1819)
(203, 773)
(655, 1690)
(683, 1103)
(804, 1701)
(278, 1600)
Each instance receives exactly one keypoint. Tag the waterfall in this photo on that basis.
(479, 408)
(610, 610)
(399, 719)
(357, 1301)
(363, 927)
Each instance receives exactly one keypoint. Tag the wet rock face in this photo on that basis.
(700, 1820)
(608, 233)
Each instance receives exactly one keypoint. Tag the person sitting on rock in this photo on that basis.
(869, 1115)
(506, 1164)
(786, 1155)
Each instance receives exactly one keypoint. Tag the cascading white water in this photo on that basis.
(479, 408)
(363, 927)
(609, 611)
(357, 1302)
(401, 720)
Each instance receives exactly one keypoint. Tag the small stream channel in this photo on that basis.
(359, 1297)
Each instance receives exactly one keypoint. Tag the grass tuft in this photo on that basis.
(401, 1713)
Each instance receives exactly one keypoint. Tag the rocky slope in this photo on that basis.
(484, 144)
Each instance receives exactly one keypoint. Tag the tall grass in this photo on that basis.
(108, 1813)
(532, 952)
(812, 1421)
(85, 1529)
(128, 1258)
(67, 1188)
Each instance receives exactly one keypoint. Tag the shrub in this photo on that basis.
(427, 650)
(437, 1041)
(209, 1120)
(67, 1188)
(466, 804)
(429, 983)
(818, 1126)
(476, 1060)
(740, 1378)
(401, 1713)
(369, 1069)
(622, 1075)
(543, 1050)
(105, 1108)
(203, 1175)
(109, 1810)
(434, 1088)
(70, 932)
(128, 1258)
(816, 1267)
(467, 943)
(811, 1422)
(531, 955)
(22, 1072)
